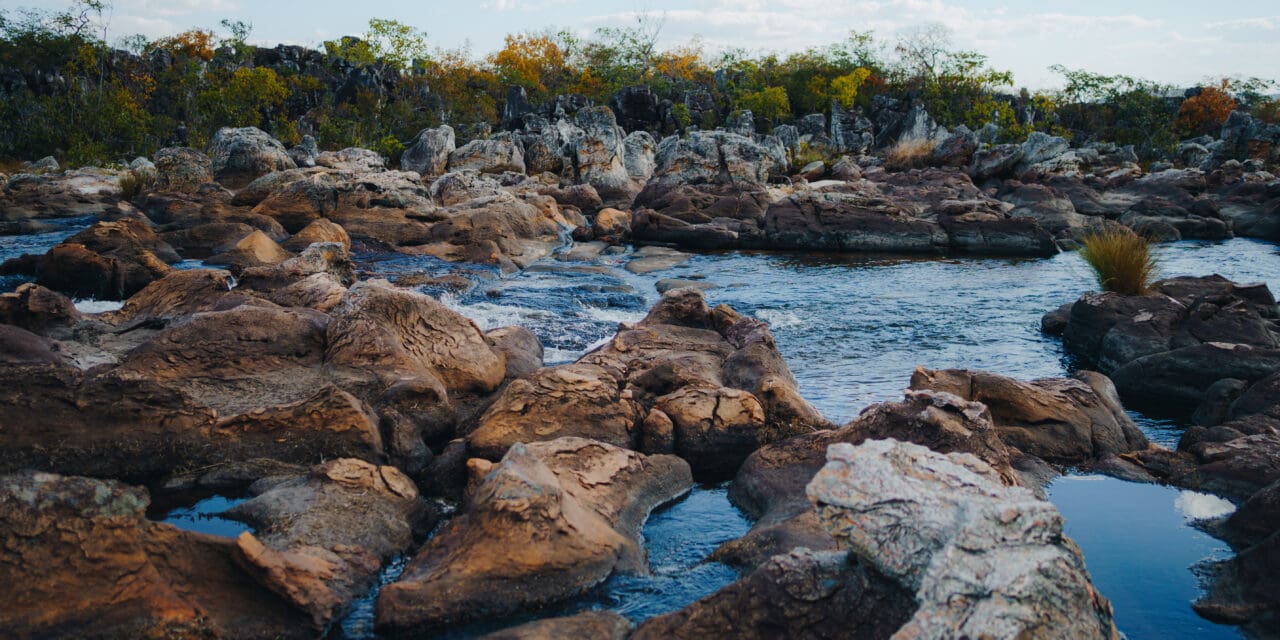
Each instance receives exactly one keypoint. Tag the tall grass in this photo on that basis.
(1121, 260)
(912, 153)
(133, 184)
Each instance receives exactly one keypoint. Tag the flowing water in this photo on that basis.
(853, 328)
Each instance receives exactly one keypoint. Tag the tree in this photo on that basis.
(769, 105)
(844, 90)
(396, 43)
(534, 61)
(1205, 112)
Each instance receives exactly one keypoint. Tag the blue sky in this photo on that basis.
(1172, 41)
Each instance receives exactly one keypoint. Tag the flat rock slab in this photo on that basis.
(650, 259)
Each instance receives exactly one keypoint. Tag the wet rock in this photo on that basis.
(1244, 590)
(325, 535)
(798, 594)
(1060, 420)
(81, 559)
(982, 558)
(549, 521)
(651, 259)
(237, 156)
(487, 156)
(429, 153)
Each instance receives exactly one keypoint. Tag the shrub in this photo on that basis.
(1121, 260)
(909, 153)
(1205, 112)
(134, 184)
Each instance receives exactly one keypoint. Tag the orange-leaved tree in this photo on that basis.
(1204, 113)
(534, 61)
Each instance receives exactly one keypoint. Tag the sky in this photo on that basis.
(1172, 41)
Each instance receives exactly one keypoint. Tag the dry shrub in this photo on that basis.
(1121, 260)
(907, 154)
(134, 184)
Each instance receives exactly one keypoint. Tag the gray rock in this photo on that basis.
(1042, 147)
(429, 153)
(181, 169)
(352, 159)
(639, 156)
(47, 164)
(487, 156)
(984, 559)
(995, 161)
(305, 154)
(237, 156)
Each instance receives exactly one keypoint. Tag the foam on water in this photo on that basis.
(89, 305)
(1194, 505)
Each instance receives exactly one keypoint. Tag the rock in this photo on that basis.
(671, 284)
(36, 309)
(457, 187)
(1053, 211)
(1181, 378)
(715, 429)
(27, 197)
(940, 525)
(813, 170)
(1041, 147)
(429, 153)
(23, 347)
(600, 155)
(580, 400)
(798, 594)
(178, 294)
(108, 261)
(253, 250)
(652, 258)
(487, 156)
(237, 156)
(613, 224)
(640, 150)
(1060, 420)
(1244, 590)
(354, 159)
(549, 521)
(717, 158)
(520, 347)
(597, 625)
(304, 155)
(508, 230)
(318, 231)
(995, 161)
(392, 335)
(81, 559)
(955, 150)
(47, 164)
(181, 169)
(326, 535)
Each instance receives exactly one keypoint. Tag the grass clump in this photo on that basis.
(134, 184)
(1121, 260)
(907, 154)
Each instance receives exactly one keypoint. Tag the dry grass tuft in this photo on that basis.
(908, 154)
(1121, 259)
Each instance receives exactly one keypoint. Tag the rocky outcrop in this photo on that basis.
(108, 261)
(982, 558)
(547, 522)
(182, 169)
(237, 156)
(80, 559)
(716, 157)
(707, 385)
(601, 155)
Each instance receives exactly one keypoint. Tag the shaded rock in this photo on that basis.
(982, 558)
(36, 309)
(799, 594)
(81, 560)
(601, 625)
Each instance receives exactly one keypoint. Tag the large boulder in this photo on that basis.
(549, 521)
(983, 559)
(429, 153)
(238, 156)
(111, 260)
(716, 157)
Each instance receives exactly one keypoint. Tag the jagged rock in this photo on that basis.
(995, 161)
(716, 158)
(955, 150)
(548, 521)
(983, 559)
(639, 156)
(305, 153)
(79, 558)
(1041, 147)
(429, 153)
(487, 156)
(237, 156)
